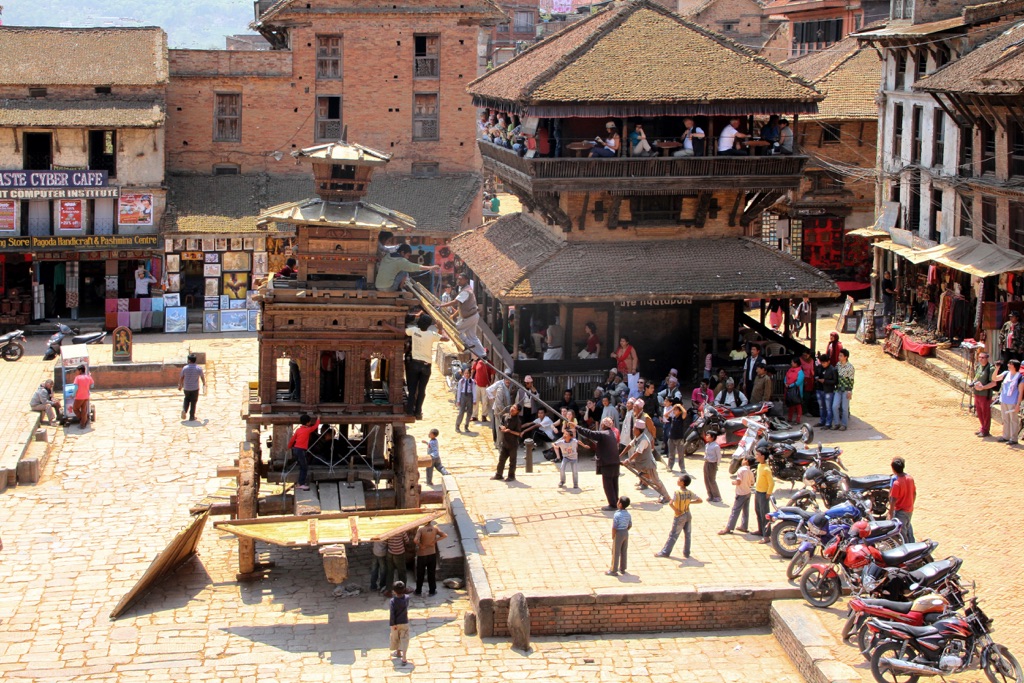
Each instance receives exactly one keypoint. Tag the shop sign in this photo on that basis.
(70, 214)
(8, 215)
(816, 211)
(70, 193)
(52, 179)
(670, 301)
(79, 242)
(135, 208)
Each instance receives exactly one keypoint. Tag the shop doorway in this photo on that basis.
(92, 289)
(193, 284)
(53, 278)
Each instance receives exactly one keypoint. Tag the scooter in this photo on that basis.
(12, 345)
(63, 331)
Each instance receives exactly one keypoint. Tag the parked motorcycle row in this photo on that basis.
(910, 615)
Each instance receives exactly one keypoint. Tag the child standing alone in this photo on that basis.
(435, 457)
(681, 502)
(399, 622)
(622, 522)
(568, 452)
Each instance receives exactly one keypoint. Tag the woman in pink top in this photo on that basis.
(83, 388)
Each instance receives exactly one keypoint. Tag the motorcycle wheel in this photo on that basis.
(882, 673)
(690, 447)
(819, 590)
(849, 626)
(13, 352)
(784, 539)
(1001, 666)
(866, 641)
(808, 432)
(798, 564)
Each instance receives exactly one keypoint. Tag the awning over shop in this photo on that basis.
(883, 225)
(978, 258)
(965, 254)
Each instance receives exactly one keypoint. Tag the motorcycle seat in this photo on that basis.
(790, 435)
(86, 338)
(935, 570)
(748, 409)
(891, 605)
(915, 631)
(882, 528)
(812, 453)
(870, 482)
(793, 510)
(905, 553)
(7, 337)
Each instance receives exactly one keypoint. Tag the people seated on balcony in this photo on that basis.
(770, 131)
(394, 268)
(592, 346)
(729, 137)
(483, 125)
(785, 137)
(693, 140)
(608, 146)
(638, 145)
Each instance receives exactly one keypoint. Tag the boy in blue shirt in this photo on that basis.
(622, 522)
(435, 457)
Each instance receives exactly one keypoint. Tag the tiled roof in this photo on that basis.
(996, 67)
(486, 9)
(53, 113)
(82, 56)
(847, 75)
(438, 205)
(639, 52)
(521, 261)
(227, 204)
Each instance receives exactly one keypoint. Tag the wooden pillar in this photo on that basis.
(714, 324)
(396, 376)
(814, 326)
(786, 319)
(407, 474)
(616, 320)
(267, 373)
(763, 311)
(247, 495)
(309, 381)
(563, 320)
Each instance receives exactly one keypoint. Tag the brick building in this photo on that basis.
(81, 169)
(519, 29)
(837, 193)
(394, 79)
(744, 21)
(814, 25)
(648, 245)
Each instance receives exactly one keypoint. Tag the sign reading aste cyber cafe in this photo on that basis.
(64, 184)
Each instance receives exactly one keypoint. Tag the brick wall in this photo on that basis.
(653, 611)
(279, 94)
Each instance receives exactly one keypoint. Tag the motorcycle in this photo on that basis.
(733, 424)
(12, 345)
(926, 609)
(788, 522)
(951, 645)
(821, 585)
(935, 578)
(788, 462)
(63, 331)
(884, 535)
(833, 485)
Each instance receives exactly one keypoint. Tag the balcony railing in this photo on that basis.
(644, 173)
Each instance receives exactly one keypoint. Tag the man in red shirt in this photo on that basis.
(299, 443)
(902, 497)
(483, 376)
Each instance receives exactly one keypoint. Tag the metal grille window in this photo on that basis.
(655, 209)
(328, 57)
(425, 116)
(328, 119)
(428, 51)
(227, 123)
(523, 22)
(939, 143)
(988, 220)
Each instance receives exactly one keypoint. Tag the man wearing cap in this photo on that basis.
(609, 145)
(188, 382)
(640, 454)
(469, 315)
(528, 399)
(626, 428)
(730, 396)
(1010, 342)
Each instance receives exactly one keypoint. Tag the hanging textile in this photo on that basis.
(71, 286)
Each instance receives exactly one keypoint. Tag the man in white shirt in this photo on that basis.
(499, 395)
(785, 137)
(143, 279)
(727, 139)
(554, 338)
(542, 429)
(730, 396)
(417, 366)
(469, 315)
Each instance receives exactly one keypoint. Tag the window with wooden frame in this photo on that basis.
(523, 21)
(426, 116)
(916, 117)
(966, 227)
(823, 182)
(901, 70)
(897, 131)
(328, 118)
(426, 169)
(227, 117)
(988, 220)
(934, 215)
(988, 148)
(939, 138)
(914, 204)
(427, 56)
(922, 63)
(1015, 136)
(226, 169)
(966, 168)
(329, 57)
(655, 209)
(831, 133)
(1017, 226)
